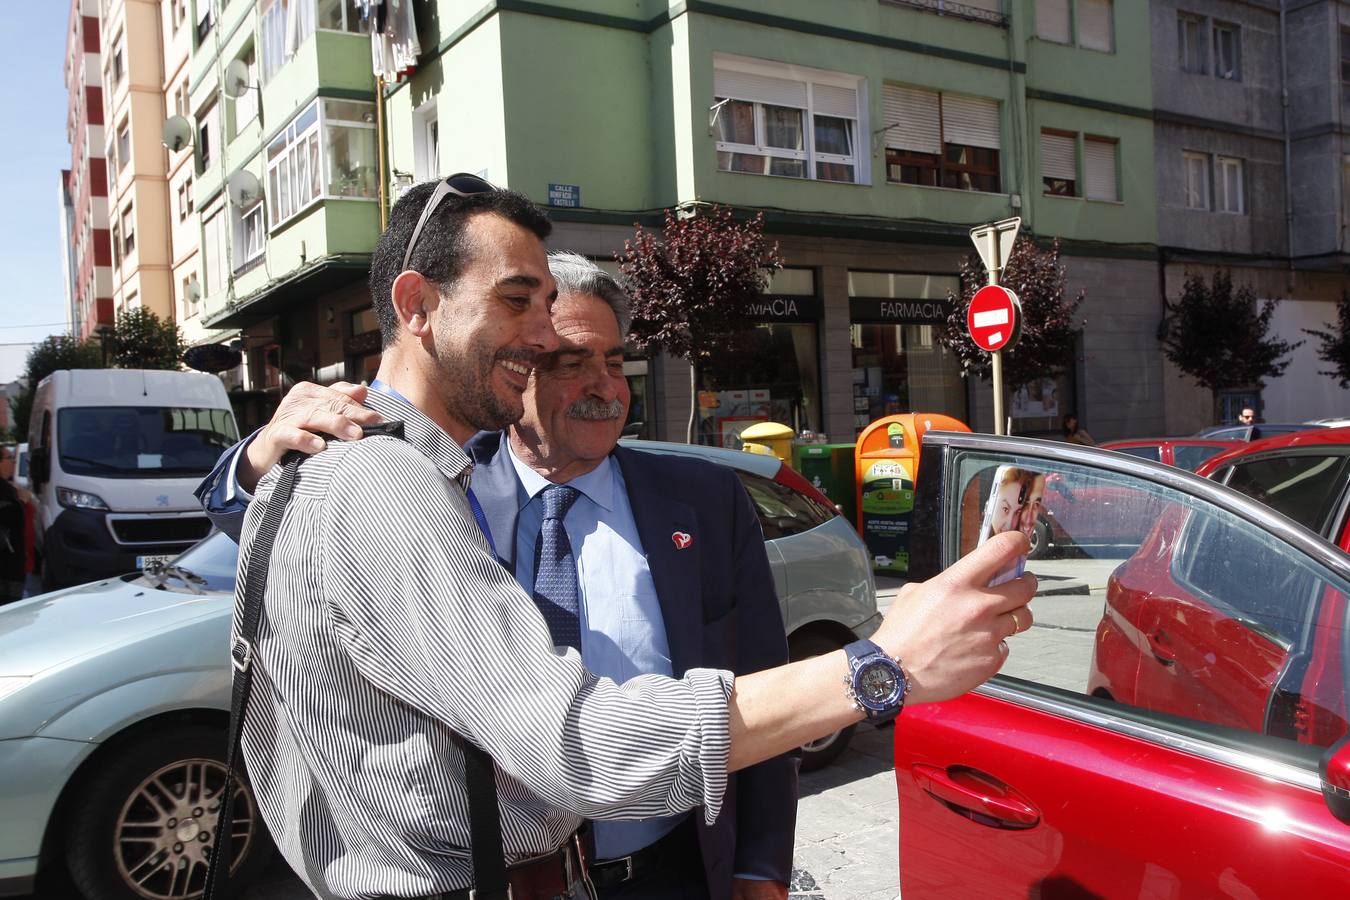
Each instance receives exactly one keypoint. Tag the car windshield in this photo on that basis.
(142, 441)
(213, 559)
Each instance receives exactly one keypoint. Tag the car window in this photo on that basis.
(1153, 454)
(1238, 432)
(782, 511)
(1190, 456)
(213, 558)
(1169, 606)
(1305, 488)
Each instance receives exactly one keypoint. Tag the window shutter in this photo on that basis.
(759, 88)
(914, 115)
(970, 121)
(1057, 157)
(1052, 21)
(1099, 170)
(1094, 24)
(829, 100)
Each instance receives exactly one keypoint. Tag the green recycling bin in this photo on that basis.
(831, 469)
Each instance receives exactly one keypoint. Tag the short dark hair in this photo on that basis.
(441, 251)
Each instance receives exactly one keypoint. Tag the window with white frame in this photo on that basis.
(784, 120)
(206, 20)
(117, 67)
(191, 295)
(1054, 21)
(180, 104)
(1228, 187)
(123, 143)
(426, 142)
(208, 130)
(246, 104)
(184, 189)
(1227, 51)
(128, 230)
(1059, 163)
(250, 231)
(1195, 171)
(283, 25)
(941, 140)
(339, 15)
(116, 237)
(214, 260)
(327, 151)
(1100, 169)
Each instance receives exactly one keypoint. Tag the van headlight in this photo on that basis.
(72, 499)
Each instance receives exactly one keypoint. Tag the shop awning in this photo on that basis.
(308, 283)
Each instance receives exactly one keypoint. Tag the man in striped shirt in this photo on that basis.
(390, 629)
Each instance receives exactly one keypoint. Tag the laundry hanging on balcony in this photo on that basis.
(393, 37)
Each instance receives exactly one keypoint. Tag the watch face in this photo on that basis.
(877, 682)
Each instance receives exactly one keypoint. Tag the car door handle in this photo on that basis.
(1161, 648)
(971, 791)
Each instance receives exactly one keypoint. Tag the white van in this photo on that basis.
(113, 457)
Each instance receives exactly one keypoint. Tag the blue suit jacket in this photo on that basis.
(719, 609)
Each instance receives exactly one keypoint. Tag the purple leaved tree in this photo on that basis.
(692, 284)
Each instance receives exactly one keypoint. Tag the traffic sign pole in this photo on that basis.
(995, 271)
(994, 243)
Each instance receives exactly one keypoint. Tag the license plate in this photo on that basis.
(157, 559)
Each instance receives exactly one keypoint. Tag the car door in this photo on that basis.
(1066, 775)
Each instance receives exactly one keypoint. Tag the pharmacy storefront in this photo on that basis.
(898, 364)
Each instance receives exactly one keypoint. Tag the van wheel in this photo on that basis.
(145, 827)
(821, 752)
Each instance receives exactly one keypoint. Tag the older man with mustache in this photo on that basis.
(670, 574)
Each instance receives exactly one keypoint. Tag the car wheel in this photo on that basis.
(819, 753)
(1040, 540)
(145, 826)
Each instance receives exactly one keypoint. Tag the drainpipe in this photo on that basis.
(1288, 176)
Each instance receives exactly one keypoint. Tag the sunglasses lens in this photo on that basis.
(463, 184)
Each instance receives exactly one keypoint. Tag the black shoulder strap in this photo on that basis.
(485, 831)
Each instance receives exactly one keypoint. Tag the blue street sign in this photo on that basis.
(568, 195)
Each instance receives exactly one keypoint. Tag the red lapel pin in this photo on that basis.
(682, 540)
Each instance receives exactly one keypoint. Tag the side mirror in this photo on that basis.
(1336, 779)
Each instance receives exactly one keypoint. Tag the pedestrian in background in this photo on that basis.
(1074, 434)
(13, 547)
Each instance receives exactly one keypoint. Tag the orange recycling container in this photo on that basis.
(886, 460)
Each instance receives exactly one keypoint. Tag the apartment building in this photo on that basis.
(133, 94)
(177, 33)
(1251, 155)
(871, 135)
(83, 193)
(285, 185)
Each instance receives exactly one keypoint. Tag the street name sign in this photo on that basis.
(993, 318)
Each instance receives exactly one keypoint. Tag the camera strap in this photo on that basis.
(485, 831)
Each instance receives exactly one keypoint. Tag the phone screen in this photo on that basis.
(1013, 505)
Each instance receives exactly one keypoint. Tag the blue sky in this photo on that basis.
(33, 106)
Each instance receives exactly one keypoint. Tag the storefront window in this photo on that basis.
(1037, 409)
(772, 375)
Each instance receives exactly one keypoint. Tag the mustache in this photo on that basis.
(593, 409)
(521, 355)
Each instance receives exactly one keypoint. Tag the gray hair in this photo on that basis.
(575, 274)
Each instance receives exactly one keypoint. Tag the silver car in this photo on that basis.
(114, 699)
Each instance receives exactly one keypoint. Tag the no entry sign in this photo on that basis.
(994, 318)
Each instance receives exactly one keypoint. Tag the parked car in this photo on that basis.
(1254, 432)
(1333, 422)
(1176, 726)
(1184, 453)
(114, 698)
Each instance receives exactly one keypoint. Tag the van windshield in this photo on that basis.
(142, 441)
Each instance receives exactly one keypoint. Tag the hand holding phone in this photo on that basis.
(1013, 505)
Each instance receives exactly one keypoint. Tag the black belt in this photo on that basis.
(673, 848)
(555, 874)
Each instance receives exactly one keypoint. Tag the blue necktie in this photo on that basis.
(556, 589)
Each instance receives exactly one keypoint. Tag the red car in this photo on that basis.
(1176, 728)
(1184, 453)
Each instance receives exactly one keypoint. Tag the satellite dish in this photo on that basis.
(177, 133)
(194, 290)
(236, 79)
(244, 188)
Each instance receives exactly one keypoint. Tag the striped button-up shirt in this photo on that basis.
(389, 628)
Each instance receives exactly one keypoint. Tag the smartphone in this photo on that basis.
(1013, 505)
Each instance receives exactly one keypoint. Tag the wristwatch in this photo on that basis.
(876, 683)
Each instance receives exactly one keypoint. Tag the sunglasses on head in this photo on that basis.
(460, 184)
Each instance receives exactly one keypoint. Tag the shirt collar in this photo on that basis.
(426, 436)
(597, 484)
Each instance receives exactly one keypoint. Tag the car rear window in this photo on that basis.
(1153, 454)
(782, 511)
(1189, 457)
(1304, 487)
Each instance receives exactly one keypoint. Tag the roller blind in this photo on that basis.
(1057, 157)
(970, 121)
(1099, 170)
(829, 100)
(914, 115)
(1094, 24)
(1052, 21)
(759, 88)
